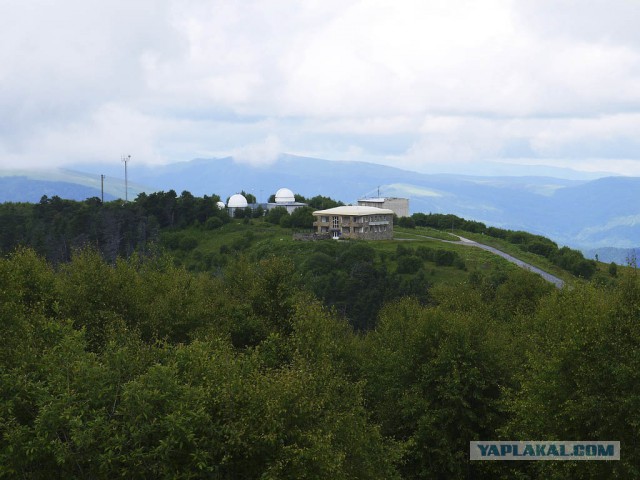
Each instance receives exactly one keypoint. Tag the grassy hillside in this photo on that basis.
(203, 250)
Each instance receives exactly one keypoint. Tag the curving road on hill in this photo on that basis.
(559, 283)
(547, 276)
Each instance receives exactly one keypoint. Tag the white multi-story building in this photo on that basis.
(360, 222)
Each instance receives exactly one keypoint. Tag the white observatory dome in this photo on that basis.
(284, 195)
(220, 205)
(237, 201)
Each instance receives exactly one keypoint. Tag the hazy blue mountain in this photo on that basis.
(23, 189)
(580, 212)
(31, 185)
(496, 169)
(310, 176)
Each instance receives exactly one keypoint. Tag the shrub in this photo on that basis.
(409, 264)
(406, 222)
(188, 243)
(213, 223)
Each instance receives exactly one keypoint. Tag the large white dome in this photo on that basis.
(237, 201)
(284, 195)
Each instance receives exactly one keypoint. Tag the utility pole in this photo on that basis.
(126, 159)
(102, 188)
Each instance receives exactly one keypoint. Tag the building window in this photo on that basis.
(346, 230)
(336, 223)
(324, 219)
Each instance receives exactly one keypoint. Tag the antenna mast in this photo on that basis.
(126, 159)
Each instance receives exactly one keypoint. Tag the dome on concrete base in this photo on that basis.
(237, 201)
(284, 195)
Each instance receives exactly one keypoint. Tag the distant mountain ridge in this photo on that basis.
(24, 189)
(581, 213)
(31, 185)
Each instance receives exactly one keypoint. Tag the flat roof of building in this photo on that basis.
(381, 199)
(287, 204)
(354, 210)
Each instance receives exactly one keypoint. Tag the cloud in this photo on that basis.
(456, 140)
(259, 154)
(409, 82)
(589, 143)
(105, 135)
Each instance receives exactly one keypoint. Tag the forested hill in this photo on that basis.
(55, 226)
(357, 277)
(140, 368)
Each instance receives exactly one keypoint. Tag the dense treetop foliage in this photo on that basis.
(143, 369)
(264, 358)
(55, 227)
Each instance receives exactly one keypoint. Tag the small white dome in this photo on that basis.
(237, 201)
(220, 205)
(284, 195)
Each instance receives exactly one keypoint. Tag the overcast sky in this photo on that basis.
(426, 85)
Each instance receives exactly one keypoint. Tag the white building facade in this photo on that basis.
(357, 222)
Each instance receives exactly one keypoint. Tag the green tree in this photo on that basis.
(434, 380)
(302, 217)
(406, 222)
(580, 379)
(213, 223)
(275, 214)
(249, 196)
(322, 203)
(285, 221)
(409, 264)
